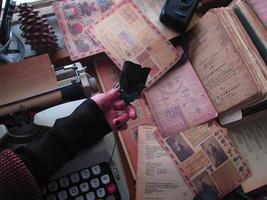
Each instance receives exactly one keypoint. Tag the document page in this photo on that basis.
(152, 10)
(178, 101)
(73, 16)
(157, 176)
(219, 64)
(125, 34)
(250, 136)
(207, 158)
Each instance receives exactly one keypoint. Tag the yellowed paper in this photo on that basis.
(250, 135)
(208, 161)
(157, 176)
(126, 34)
(152, 9)
(220, 64)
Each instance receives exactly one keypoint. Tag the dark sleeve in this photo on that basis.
(83, 128)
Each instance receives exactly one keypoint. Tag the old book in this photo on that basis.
(254, 27)
(207, 158)
(250, 136)
(157, 176)
(226, 61)
(260, 7)
(21, 81)
(108, 75)
(126, 34)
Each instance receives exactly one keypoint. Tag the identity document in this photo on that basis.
(73, 16)
(207, 158)
(126, 34)
(178, 101)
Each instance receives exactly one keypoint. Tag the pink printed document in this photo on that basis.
(126, 34)
(73, 16)
(178, 101)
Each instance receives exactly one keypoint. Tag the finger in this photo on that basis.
(112, 95)
(121, 119)
(119, 105)
(131, 111)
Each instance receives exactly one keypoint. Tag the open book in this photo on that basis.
(227, 73)
(224, 60)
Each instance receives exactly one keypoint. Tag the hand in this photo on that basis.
(115, 110)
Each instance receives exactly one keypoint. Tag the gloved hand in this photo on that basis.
(116, 111)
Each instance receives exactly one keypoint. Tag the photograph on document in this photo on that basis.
(226, 175)
(204, 182)
(214, 151)
(180, 147)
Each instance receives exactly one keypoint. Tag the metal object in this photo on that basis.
(76, 73)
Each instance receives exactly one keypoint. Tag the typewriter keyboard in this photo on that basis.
(94, 182)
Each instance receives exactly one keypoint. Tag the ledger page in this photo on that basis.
(125, 34)
(250, 135)
(157, 176)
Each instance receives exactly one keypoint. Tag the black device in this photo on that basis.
(177, 14)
